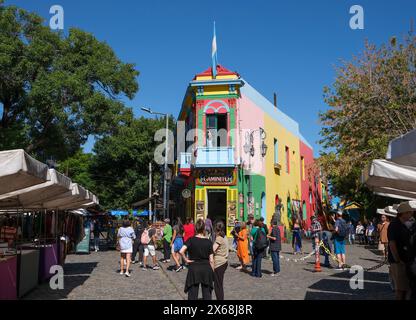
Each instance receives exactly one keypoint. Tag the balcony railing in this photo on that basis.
(215, 157)
(185, 161)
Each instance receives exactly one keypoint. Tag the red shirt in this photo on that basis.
(189, 231)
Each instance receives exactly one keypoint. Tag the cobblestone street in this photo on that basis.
(95, 276)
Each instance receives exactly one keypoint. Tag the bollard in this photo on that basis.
(317, 257)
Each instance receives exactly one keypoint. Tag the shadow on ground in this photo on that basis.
(376, 286)
(75, 274)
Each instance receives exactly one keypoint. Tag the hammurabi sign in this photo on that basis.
(216, 177)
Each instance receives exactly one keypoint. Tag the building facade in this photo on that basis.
(240, 155)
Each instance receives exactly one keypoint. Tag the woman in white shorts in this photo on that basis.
(125, 237)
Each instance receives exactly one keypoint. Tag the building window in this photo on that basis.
(287, 159)
(276, 152)
(216, 130)
(302, 167)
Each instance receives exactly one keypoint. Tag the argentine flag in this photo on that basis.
(214, 55)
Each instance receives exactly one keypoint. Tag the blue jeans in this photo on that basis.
(276, 261)
(256, 265)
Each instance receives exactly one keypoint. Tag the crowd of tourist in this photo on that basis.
(202, 247)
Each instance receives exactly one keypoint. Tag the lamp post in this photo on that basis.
(165, 195)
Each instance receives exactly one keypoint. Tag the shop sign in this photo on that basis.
(215, 177)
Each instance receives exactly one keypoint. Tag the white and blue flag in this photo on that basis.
(214, 55)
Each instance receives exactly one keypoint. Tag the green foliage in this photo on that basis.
(372, 101)
(78, 168)
(56, 90)
(121, 161)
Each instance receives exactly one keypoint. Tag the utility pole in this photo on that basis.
(150, 190)
(165, 195)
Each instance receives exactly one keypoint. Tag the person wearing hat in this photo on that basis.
(399, 249)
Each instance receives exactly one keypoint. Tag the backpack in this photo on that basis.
(342, 229)
(261, 240)
(144, 239)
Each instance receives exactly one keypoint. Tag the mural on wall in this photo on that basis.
(200, 210)
(231, 213)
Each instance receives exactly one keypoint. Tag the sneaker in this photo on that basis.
(184, 267)
(121, 272)
(167, 261)
(179, 268)
(133, 262)
(143, 268)
(127, 274)
(339, 269)
(140, 264)
(275, 274)
(156, 268)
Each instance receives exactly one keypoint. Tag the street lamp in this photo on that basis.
(165, 195)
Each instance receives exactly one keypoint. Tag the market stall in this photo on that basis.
(36, 229)
(8, 277)
(18, 170)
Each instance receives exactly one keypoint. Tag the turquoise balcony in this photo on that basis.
(215, 157)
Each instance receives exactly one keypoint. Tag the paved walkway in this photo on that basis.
(95, 276)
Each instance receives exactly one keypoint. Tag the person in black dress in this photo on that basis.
(201, 264)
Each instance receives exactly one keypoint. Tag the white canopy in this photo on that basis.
(402, 150)
(34, 196)
(387, 174)
(394, 193)
(70, 199)
(18, 170)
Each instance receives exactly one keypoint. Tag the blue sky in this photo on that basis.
(288, 47)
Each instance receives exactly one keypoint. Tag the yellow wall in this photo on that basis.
(283, 184)
(230, 76)
(214, 90)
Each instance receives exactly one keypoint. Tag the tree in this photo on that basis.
(78, 168)
(55, 91)
(121, 161)
(372, 100)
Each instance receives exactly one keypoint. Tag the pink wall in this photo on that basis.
(250, 117)
(306, 185)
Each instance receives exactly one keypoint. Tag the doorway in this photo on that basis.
(217, 204)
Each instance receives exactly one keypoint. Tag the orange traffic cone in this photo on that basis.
(317, 265)
(317, 258)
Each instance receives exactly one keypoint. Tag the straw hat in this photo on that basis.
(407, 206)
(388, 211)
